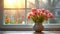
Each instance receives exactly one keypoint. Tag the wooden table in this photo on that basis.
(29, 32)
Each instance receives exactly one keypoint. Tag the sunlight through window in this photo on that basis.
(14, 3)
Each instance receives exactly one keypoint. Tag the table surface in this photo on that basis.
(29, 32)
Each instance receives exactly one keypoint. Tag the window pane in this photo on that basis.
(56, 19)
(14, 3)
(30, 3)
(43, 4)
(14, 16)
(57, 3)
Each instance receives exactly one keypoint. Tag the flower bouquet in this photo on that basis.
(38, 16)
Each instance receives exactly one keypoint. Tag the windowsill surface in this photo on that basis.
(29, 32)
(29, 28)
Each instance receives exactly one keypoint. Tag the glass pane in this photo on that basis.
(56, 19)
(14, 16)
(43, 4)
(57, 3)
(14, 3)
(30, 3)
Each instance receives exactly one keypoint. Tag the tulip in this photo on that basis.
(34, 9)
(43, 10)
(28, 17)
(37, 14)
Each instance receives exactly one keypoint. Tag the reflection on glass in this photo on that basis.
(43, 4)
(57, 4)
(30, 3)
(55, 21)
(14, 16)
(14, 3)
(44, 1)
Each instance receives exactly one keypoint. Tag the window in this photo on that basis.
(15, 12)
(56, 12)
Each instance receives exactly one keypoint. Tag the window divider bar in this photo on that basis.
(25, 11)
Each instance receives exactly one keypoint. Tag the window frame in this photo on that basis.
(23, 27)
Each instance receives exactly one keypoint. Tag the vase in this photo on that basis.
(38, 27)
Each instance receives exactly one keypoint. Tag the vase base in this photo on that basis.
(38, 31)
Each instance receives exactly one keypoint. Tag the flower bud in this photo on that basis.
(43, 10)
(34, 9)
(28, 17)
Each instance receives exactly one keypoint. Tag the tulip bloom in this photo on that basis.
(39, 14)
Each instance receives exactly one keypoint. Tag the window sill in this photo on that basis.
(29, 27)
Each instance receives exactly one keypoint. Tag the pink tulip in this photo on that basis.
(38, 12)
(34, 10)
(47, 12)
(43, 10)
(28, 17)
